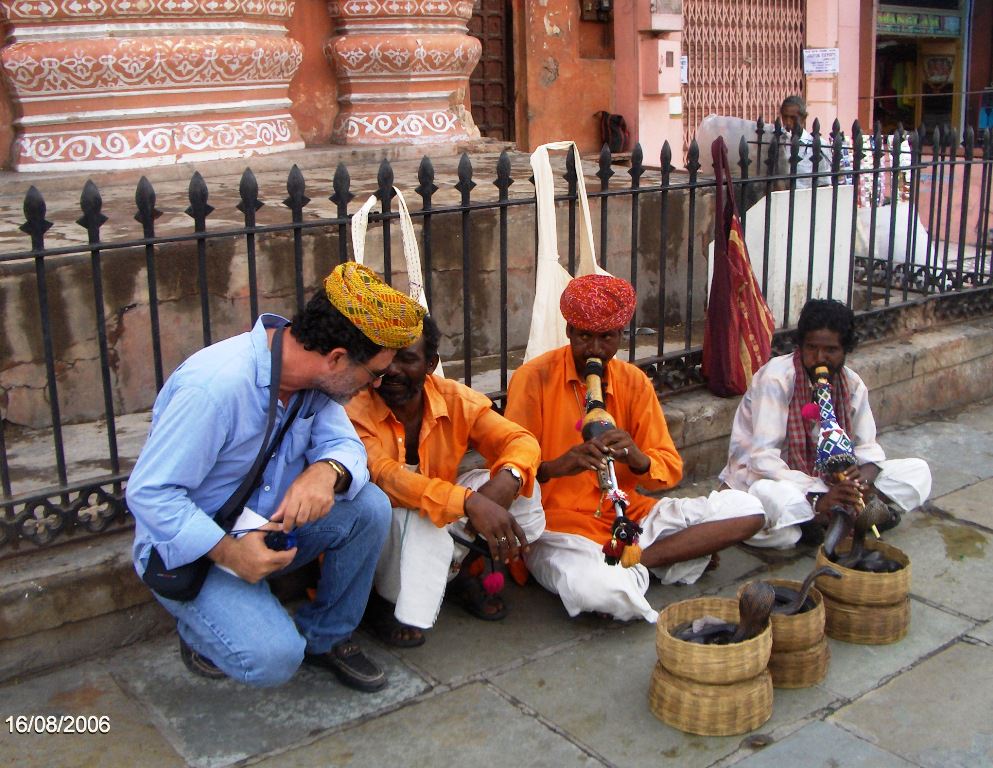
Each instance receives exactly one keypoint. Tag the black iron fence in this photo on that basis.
(903, 225)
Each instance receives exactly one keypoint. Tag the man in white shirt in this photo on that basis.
(772, 447)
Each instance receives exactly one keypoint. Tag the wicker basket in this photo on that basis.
(861, 588)
(716, 664)
(802, 668)
(710, 710)
(801, 630)
(867, 624)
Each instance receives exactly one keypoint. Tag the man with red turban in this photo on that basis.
(547, 396)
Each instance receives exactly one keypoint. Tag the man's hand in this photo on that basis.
(495, 524)
(864, 477)
(593, 454)
(843, 492)
(308, 498)
(501, 489)
(249, 557)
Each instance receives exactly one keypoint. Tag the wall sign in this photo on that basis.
(820, 61)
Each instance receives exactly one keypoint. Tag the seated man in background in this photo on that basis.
(773, 447)
(416, 428)
(547, 397)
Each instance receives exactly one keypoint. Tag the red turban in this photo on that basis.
(598, 303)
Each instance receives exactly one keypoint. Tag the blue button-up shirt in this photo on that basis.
(207, 428)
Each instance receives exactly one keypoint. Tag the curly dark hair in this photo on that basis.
(432, 338)
(830, 314)
(320, 327)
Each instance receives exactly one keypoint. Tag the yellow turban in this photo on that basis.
(388, 317)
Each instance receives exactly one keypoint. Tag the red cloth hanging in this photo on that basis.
(737, 338)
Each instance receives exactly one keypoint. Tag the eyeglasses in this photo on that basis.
(373, 375)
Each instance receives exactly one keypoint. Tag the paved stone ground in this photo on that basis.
(541, 689)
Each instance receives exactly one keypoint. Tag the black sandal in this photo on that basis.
(468, 592)
(386, 628)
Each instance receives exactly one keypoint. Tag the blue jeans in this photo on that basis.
(243, 628)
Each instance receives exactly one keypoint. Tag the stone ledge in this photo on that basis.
(84, 598)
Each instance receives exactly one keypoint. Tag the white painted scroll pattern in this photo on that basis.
(41, 68)
(85, 10)
(375, 58)
(400, 126)
(461, 9)
(246, 133)
(125, 144)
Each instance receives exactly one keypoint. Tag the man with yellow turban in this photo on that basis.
(547, 396)
(210, 440)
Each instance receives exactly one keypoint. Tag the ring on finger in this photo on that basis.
(625, 452)
(502, 540)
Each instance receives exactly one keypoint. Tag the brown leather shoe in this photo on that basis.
(351, 666)
(198, 664)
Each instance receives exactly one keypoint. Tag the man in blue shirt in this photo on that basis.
(207, 429)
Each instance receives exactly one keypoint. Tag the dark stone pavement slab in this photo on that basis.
(820, 745)
(937, 715)
(598, 691)
(973, 503)
(217, 723)
(952, 563)
(88, 690)
(472, 725)
(856, 669)
(983, 633)
(535, 621)
(959, 452)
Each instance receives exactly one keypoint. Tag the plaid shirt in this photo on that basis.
(758, 436)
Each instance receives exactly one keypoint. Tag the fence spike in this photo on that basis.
(693, 159)
(604, 171)
(35, 225)
(835, 130)
(858, 152)
(794, 151)
(91, 202)
(466, 184)
(503, 179)
(665, 158)
(877, 145)
(969, 142)
(637, 169)
(198, 209)
(248, 188)
(987, 138)
(384, 179)
(341, 184)
(743, 159)
(296, 190)
(570, 171)
(425, 176)
(144, 200)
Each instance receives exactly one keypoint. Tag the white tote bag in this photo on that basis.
(411, 253)
(547, 323)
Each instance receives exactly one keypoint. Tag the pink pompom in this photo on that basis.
(493, 583)
(579, 425)
(810, 412)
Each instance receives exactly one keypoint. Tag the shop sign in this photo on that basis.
(891, 22)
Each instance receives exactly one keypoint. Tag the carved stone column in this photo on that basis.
(131, 83)
(403, 69)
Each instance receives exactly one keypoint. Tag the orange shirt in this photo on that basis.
(547, 397)
(455, 418)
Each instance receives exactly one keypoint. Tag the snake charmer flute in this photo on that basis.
(623, 545)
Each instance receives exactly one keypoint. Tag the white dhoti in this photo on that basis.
(573, 566)
(906, 482)
(419, 559)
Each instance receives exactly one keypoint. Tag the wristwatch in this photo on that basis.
(516, 474)
(343, 474)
